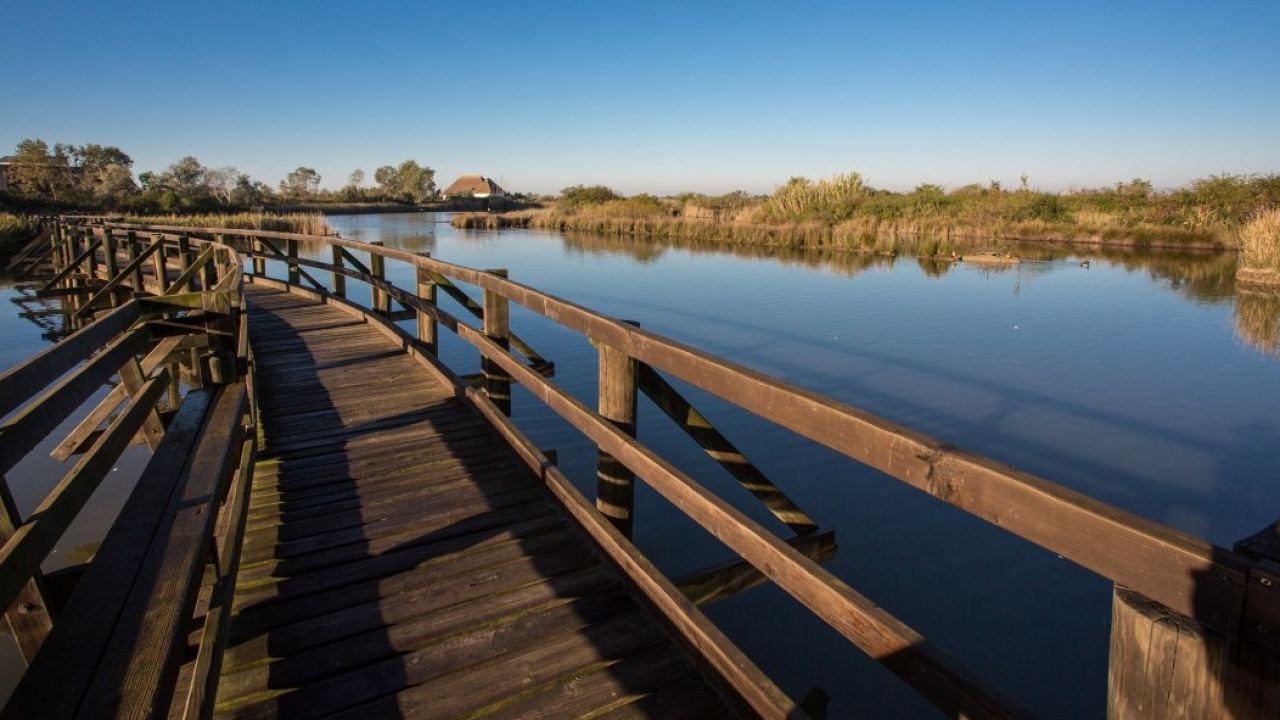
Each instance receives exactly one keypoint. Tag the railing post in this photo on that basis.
(497, 325)
(295, 277)
(133, 250)
(339, 280)
(380, 301)
(184, 257)
(28, 620)
(259, 263)
(426, 324)
(109, 253)
(615, 484)
(1164, 664)
(210, 277)
(161, 263)
(91, 262)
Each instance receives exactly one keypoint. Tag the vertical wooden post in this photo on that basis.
(615, 484)
(497, 325)
(29, 619)
(161, 263)
(109, 259)
(91, 262)
(339, 280)
(379, 300)
(426, 324)
(210, 277)
(184, 258)
(259, 264)
(134, 250)
(295, 277)
(1166, 665)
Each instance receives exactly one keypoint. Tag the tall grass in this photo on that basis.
(1260, 241)
(304, 223)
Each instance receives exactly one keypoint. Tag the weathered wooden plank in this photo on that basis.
(373, 628)
(454, 555)
(21, 555)
(21, 383)
(696, 425)
(140, 663)
(77, 641)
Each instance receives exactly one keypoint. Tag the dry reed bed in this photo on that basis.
(867, 234)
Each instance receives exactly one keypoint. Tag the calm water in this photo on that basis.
(1145, 381)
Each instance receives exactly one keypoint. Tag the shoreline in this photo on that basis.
(943, 239)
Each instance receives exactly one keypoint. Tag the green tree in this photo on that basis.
(579, 195)
(301, 183)
(35, 171)
(409, 182)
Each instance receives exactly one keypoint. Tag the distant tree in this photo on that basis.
(248, 192)
(186, 178)
(35, 170)
(356, 179)
(409, 182)
(112, 183)
(221, 183)
(579, 195)
(301, 183)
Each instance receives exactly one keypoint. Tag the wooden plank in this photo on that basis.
(935, 675)
(87, 427)
(140, 664)
(716, 445)
(217, 623)
(74, 265)
(131, 271)
(41, 239)
(21, 383)
(35, 421)
(615, 483)
(21, 555)
(75, 647)
(29, 618)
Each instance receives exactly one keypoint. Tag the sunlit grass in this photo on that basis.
(304, 223)
(1260, 241)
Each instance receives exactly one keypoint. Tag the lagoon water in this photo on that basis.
(1145, 381)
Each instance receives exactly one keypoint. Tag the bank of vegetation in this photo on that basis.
(64, 177)
(846, 212)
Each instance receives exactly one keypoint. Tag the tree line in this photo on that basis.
(101, 177)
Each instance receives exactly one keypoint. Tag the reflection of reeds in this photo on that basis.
(304, 223)
(1257, 320)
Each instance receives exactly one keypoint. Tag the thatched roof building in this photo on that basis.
(474, 186)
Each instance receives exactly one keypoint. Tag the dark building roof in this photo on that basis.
(474, 185)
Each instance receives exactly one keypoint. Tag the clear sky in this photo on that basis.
(658, 96)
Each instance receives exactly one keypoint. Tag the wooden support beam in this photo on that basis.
(696, 425)
(1166, 664)
(29, 618)
(497, 327)
(704, 587)
(380, 300)
(339, 280)
(21, 555)
(615, 484)
(133, 269)
(427, 328)
(74, 265)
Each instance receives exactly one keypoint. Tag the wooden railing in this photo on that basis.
(172, 346)
(1231, 598)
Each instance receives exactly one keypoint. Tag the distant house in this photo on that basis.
(474, 186)
(5, 164)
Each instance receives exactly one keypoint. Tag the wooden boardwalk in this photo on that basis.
(399, 560)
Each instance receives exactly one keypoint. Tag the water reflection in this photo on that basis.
(1256, 318)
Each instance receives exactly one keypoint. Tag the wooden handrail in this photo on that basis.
(1182, 572)
(1164, 564)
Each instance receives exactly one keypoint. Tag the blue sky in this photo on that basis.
(658, 97)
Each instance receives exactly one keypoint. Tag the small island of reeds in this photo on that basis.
(845, 212)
